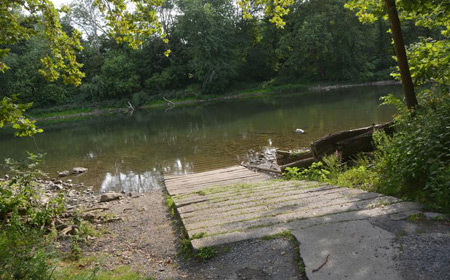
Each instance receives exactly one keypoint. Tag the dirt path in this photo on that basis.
(148, 241)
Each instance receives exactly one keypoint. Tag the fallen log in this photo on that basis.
(284, 157)
(348, 142)
(359, 144)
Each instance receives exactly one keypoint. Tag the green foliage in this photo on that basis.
(359, 174)
(186, 247)
(413, 163)
(80, 270)
(429, 60)
(276, 10)
(127, 26)
(415, 160)
(13, 113)
(24, 218)
(171, 205)
(61, 59)
(284, 234)
(21, 203)
(198, 235)
(23, 255)
(122, 24)
(206, 253)
(416, 217)
(208, 30)
(118, 74)
(213, 50)
(75, 250)
(324, 41)
(316, 172)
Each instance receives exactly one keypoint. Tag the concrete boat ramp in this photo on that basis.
(337, 241)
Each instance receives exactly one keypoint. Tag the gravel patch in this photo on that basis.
(147, 239)
(425, 257)
(423, 247)
(253, 260)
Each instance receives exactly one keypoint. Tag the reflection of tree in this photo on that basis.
(200, 138)
(133, 181)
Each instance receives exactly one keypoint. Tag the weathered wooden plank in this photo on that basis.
(206, 173)
(227, 176)
(222, 177)
(177, 190)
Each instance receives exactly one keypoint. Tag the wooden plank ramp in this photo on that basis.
(178, 185)
(234, 204)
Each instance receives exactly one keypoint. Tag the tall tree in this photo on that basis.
(400, 51)
(206, 27)
(426, 13)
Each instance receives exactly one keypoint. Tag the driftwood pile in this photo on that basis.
(347, 144)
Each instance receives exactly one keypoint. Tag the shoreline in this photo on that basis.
(160, 104)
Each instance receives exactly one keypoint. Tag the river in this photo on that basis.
(131, 153)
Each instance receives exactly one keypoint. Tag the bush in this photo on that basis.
(359, 173)
(53, 94)
(21, 204)
(24, 221)
(23, 255)
(415, 161)
(359, 176)
(316, 172)
(139, 98)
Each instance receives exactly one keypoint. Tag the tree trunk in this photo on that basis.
(399, 46)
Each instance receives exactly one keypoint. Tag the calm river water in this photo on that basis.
(132, 152)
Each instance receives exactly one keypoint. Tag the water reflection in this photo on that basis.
(179, 168)
(130, 153)
(142, 181)
(131, 182)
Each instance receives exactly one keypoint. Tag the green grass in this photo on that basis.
(185, 242)
(416, 217)
(202, 193)
(45, 113)
(171, 205)
(198, 235)
(284, 234)
(272, 89)
(444, 218)
(252, 91)
(206, 253)
(79, 271)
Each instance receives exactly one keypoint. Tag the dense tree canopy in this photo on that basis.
(22, 19)
(120, 52)
(429, 53)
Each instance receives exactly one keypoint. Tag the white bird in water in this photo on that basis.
(299, 131)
